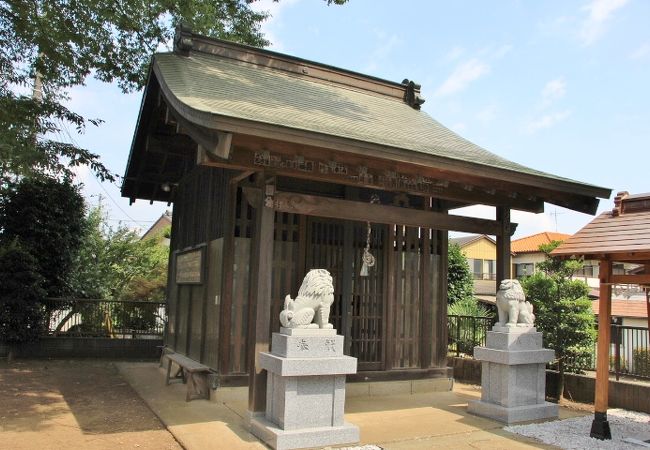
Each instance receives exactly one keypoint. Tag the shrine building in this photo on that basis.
(276, 165)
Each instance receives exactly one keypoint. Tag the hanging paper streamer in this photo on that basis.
(367, 259)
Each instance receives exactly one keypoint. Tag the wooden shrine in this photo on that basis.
(277, 165)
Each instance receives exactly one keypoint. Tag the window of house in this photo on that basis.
(477, 268)
(524, 269)
(490, 269)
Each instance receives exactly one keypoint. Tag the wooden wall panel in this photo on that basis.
(210, 356)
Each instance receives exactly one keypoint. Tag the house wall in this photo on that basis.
(481, 256)
(481, 249)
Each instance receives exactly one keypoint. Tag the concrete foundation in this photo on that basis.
(513, 376)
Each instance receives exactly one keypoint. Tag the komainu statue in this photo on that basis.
(514, 310)
(311, 308)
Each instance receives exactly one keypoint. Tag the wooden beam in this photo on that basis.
(343, 168)
(261, 280)
(630, 279)
(503, 245)
(600, 425)
(334, 208)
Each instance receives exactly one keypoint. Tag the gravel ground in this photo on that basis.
(574, 433)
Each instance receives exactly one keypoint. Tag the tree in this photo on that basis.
(49, 46)
(21, 311)
(45, 216)
(562, 312)
(460, 283)
(112, 263)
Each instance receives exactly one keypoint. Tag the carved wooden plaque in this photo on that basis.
(189, 267)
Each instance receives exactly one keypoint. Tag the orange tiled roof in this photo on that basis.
(530, 244)
(625, 308)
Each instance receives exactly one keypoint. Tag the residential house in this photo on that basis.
(159, 226)
(526, 253)
(481, 253)
(526, 257)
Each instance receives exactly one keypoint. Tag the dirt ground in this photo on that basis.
(73, 405)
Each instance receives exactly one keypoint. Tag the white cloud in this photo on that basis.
(642, 52)
(599, 12)
(455, 53)
(547, 121)
(553, 90)
(462, 76)
(274, 21)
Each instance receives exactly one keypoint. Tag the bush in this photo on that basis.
(460, 283)
(641, 360)
(21, 311)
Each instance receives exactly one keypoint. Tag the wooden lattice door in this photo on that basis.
(358, 310)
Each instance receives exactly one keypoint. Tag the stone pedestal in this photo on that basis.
(305, 391)
(513, 376)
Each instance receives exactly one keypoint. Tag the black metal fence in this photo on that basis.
(466, 332)
(629, 350)
(74, 317)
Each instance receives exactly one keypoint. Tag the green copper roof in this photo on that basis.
(225, 87)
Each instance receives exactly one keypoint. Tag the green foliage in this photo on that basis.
(469, 331)
(21, 312)
(460, 283)
(60, 43)
(641, 361)
(116, 264)
(45, 216)
(562, 311)
(468, 307)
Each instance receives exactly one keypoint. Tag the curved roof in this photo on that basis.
(233, 88)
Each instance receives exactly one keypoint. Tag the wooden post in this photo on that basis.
(261, 277)
(503, 244)
(600, 425)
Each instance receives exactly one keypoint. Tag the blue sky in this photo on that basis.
(560, 86)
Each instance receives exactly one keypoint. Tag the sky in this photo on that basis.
(559, 86)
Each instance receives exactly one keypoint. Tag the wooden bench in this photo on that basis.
(190, 372)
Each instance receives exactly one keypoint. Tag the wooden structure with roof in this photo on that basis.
(276, 165)
(619, 235)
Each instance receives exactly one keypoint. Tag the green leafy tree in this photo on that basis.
(562, 312)
(45, 216)
(115, 264)
(460, 283)
(111, 261)
(21, 311)
(49, 46)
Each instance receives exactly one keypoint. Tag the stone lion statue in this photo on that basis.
(514, 310)
(311, 308)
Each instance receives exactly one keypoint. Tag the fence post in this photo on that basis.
(617, 350)
(457, 335)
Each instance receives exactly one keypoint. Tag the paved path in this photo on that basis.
(74, 405)
(423, 421)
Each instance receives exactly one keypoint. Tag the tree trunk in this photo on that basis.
(559, 393)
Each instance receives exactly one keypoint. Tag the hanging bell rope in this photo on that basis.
(367, 258)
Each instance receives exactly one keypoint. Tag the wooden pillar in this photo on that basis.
(225, 328)
(503, 244)
(259, 328)
(427, 340)
(600, 425)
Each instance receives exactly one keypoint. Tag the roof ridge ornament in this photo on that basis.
(183, 42)
(618, 203)
(412, 95)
